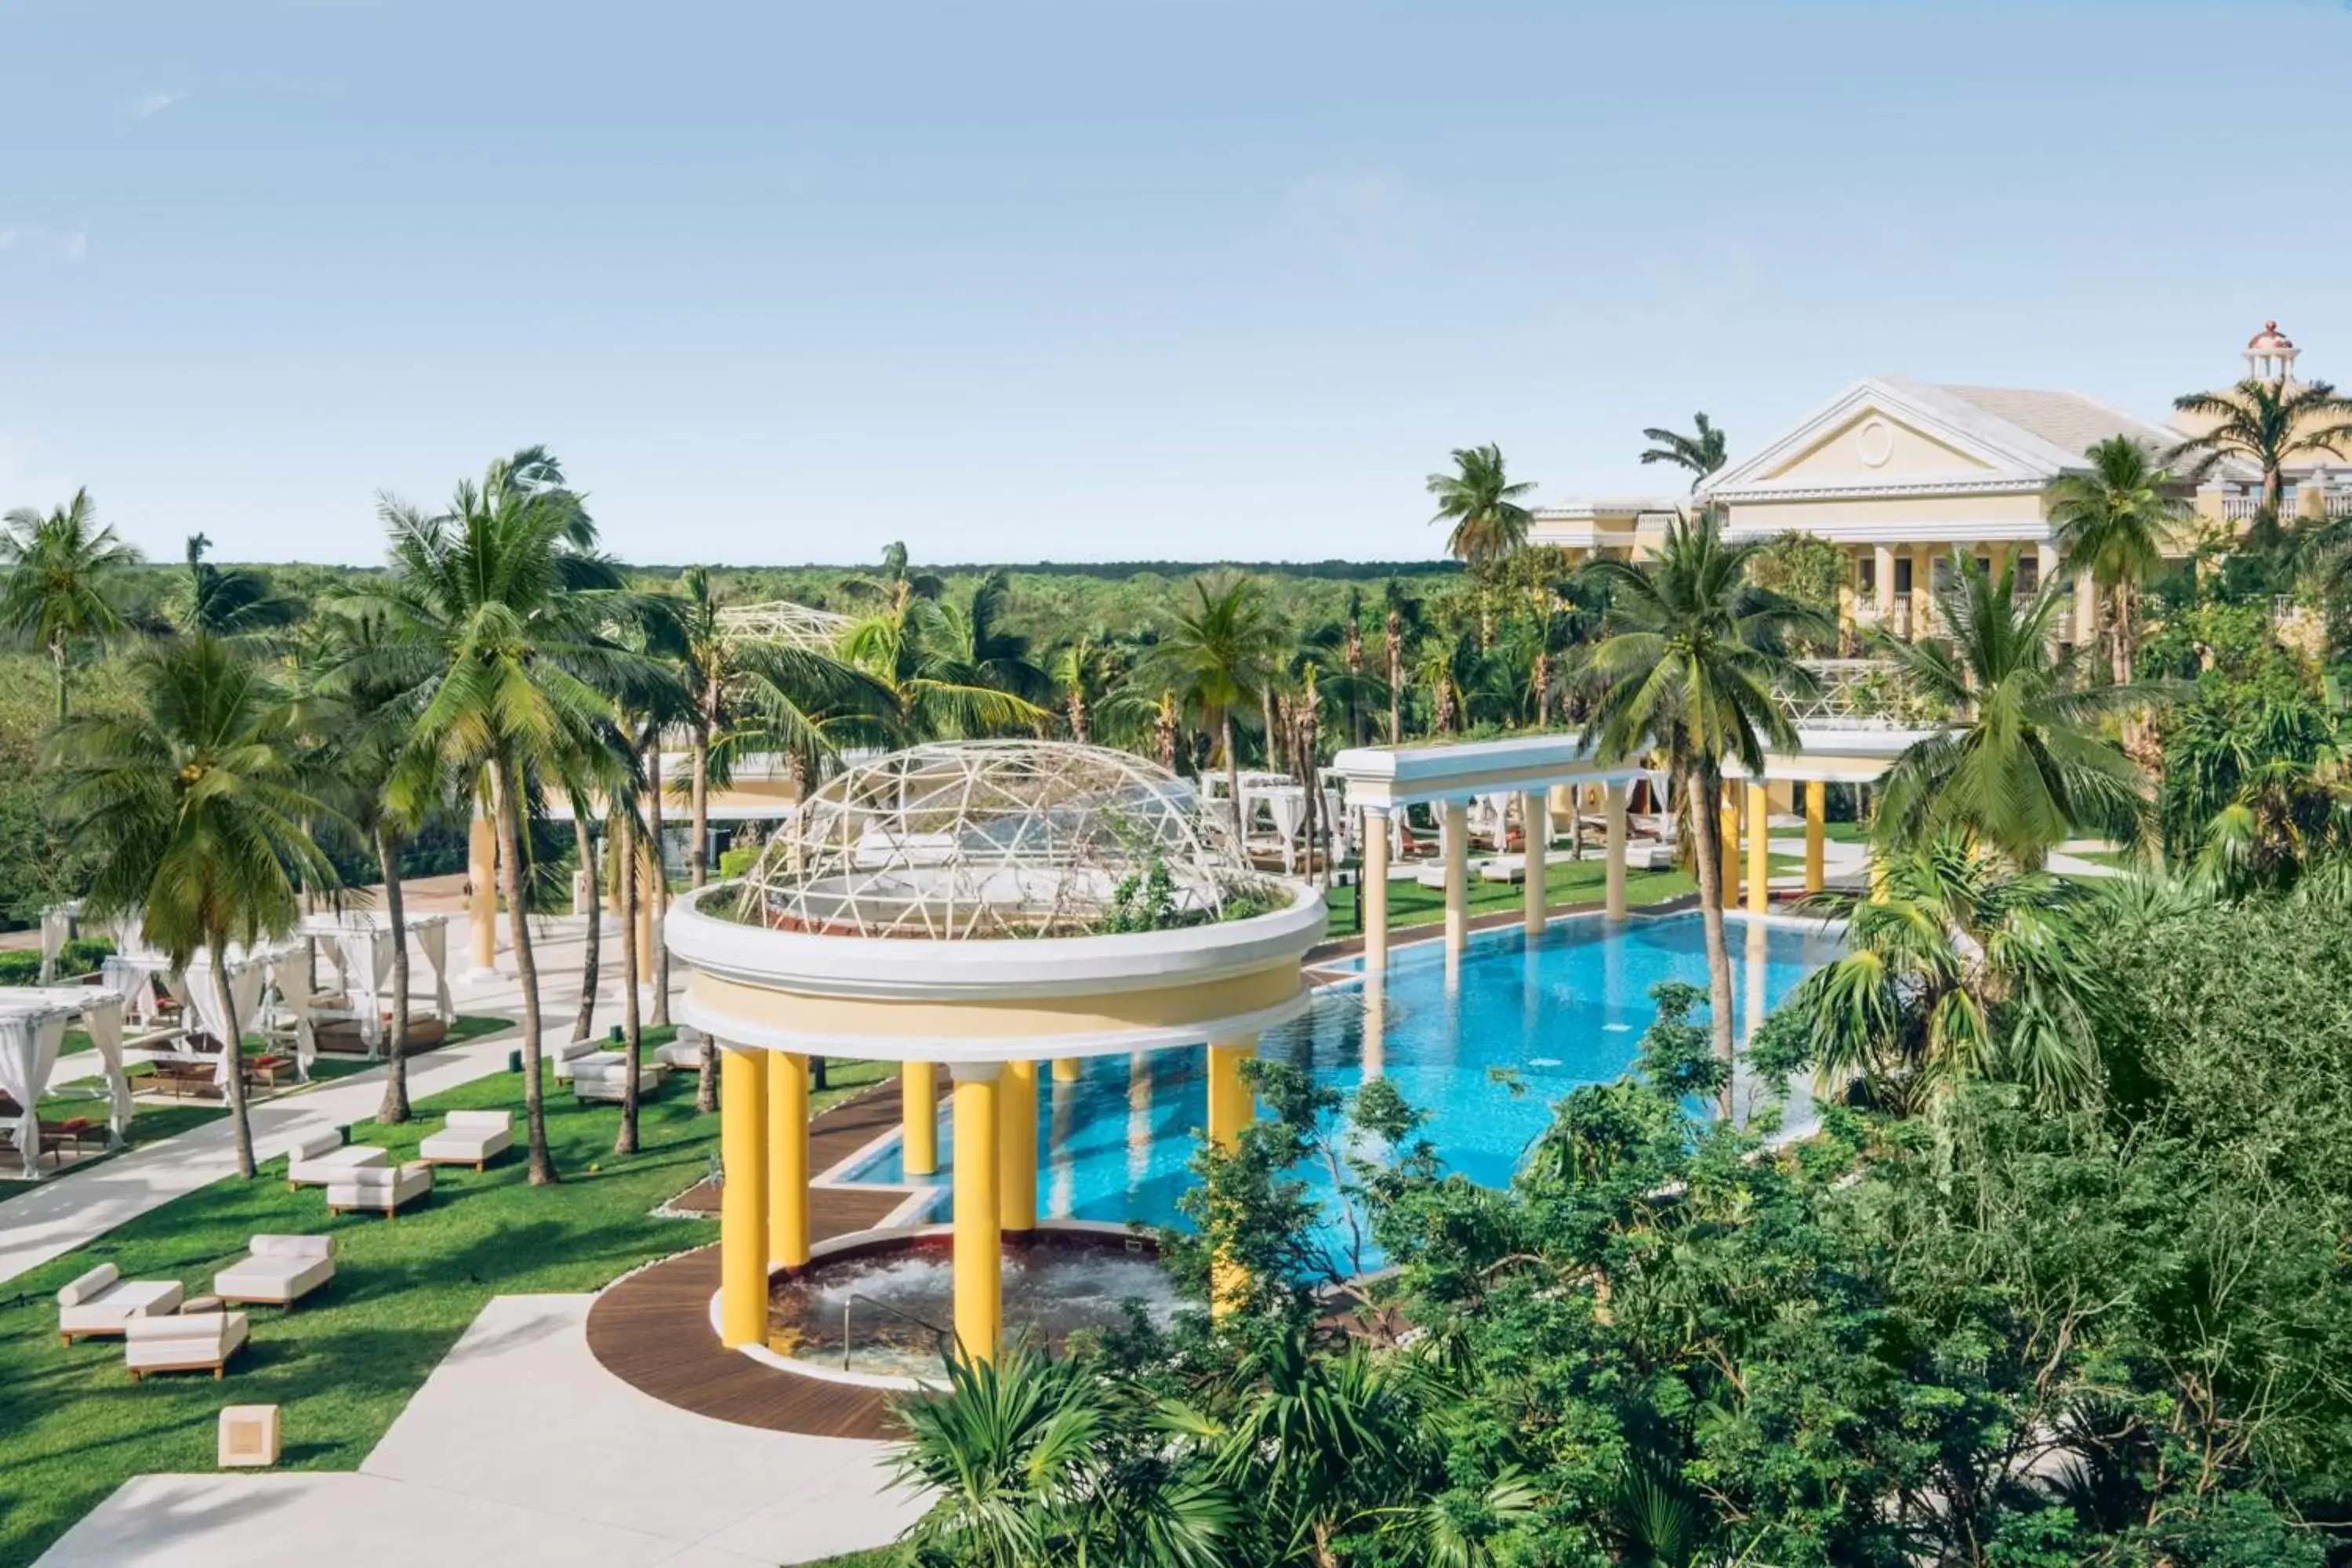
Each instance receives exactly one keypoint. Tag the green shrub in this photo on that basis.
(738, 861)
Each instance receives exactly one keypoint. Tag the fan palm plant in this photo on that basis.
(1959, 967)
(1403, 619)
(2022, 767)
(1702, 452)
(2268, 423)
(1483, 506)
(1693, 664)
(63, 571)
(2116, 520)
(507, 604)
(194, 810)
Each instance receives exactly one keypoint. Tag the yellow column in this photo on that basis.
(743, 1199)
(1457, 875)
(1760, 849)
(979, 1245)
(1729, 816)
(1616, 885)
(1016, 1147)
(1996, 557)
(1231, 1107)
(1817, 809)
(482, 903)
(1372, 892)
(1069, 1069)
(788, 1160)
(1882, 567)
(2087, 609)
(2045, 565)
(918, 1117)
(1537, 836)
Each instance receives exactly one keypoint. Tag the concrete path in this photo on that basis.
(519, 1448)
(75, 1208)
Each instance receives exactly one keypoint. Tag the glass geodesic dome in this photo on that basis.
(996, 839)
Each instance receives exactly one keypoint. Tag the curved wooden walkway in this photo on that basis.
(652, 1329)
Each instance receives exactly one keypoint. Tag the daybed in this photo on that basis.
(279, 1271)
(102, 1302)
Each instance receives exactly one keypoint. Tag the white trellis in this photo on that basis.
(986, 839)
(782, 621)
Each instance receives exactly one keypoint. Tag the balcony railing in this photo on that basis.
(1859, 694)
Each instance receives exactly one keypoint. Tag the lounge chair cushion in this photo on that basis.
(470, 1137)
(87, 1286)
(116, 1305)
(280, 1269)
(568, 1060)
(183, 1341)
(605, 1076)
(313, 1146)
(336, 1163)
(380, 1187)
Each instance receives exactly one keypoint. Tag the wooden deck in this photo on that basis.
(652, 1329)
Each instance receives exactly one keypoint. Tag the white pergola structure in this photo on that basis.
(945, 905)
(782, 621)
(32, 1021)
(1383, 779)
(358, 942)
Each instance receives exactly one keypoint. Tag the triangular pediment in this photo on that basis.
(1892, 434)
(1877, 444)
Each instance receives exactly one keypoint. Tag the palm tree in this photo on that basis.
(63, 570)
(629, 872)
(941, 668)
(1084, 671)
(2268, 423)
(194, 810)
(1702, 452)
(1959, 966)
(228, 601)
(967, 645)
(1482, 503)
(1693, 665)
(1219, 656)
(1402, 620)
(2116, 520)
(2021, 769)
(504, 593)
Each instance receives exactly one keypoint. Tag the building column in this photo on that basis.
(788, 1160)
(919, 1115)
(1231, 1107)
(1536, 807)
(1882, 566)
(482, 902)
(1760, 848)
(979, 1242)
(2087, 609)
(1016, 1147)
(1372, 892)
(2045, 565)
(1069, 1069)
(1817, 812)
(650, 892)
(1615, 797)
(1996, 558)
(1457, 875)
(1923, 591)
(1728, 815)
(743, 1198)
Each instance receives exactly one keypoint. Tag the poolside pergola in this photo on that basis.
(1382, 780)
(944, 906)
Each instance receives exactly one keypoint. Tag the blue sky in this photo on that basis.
(1097, 281)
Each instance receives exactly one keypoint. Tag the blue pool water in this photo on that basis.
(1566, 1010)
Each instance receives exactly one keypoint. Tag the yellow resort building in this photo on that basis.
(1899, 473)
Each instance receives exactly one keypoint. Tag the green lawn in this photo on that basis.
(404, 1289)
(1565, 882)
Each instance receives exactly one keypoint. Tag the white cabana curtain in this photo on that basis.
(246, 974)
(1288, 807)
(364, 954)
(432, 937)
(29, 1037)
(133, 975)
(102, 1017)
(56, 929)
(290, 976)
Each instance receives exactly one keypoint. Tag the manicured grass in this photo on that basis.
(404, 1291)
(1565, 882)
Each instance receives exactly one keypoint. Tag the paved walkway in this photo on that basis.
(518, 1449)
(75, 1209)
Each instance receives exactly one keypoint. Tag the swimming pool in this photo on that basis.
(1565, 1010)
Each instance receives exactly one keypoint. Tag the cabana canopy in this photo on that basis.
(359, 945)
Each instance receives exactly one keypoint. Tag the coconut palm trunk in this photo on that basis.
(625, 847)
(583, 1023)
(1395, 641)
(657, 881)
(698, 872)
(57, 663)
(534, 1096)
(232, 1049)
(1233, 779)
(395, 1107)
(1702, 797)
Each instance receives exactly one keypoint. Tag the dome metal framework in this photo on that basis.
(782, 621)
(958, 840)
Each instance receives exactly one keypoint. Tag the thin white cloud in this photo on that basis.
(75, 247)
(1354, 212)
(149, 105)
(65, 245)
(7, 237)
